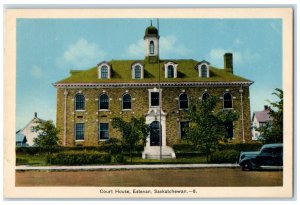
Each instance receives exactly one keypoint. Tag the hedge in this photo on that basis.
(78, 158)
(240, 146)
(20, 161)
(225, 156)
(109, 148)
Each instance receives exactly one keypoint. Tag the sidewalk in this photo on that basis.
(123, 167)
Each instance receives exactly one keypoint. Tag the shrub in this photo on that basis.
(78, 158)
(225, 156)
(20, 161)
(240, 146)
(119, 158)
(184, 147)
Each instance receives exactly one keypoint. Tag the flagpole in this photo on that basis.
(160, 95)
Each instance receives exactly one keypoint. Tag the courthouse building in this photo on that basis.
(158, 89)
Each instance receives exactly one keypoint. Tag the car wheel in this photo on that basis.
(247, 166)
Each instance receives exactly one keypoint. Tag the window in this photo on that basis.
(104, 72)
(126, 102)
(229, 129)
(205, 96)
(204, 71)
(170, 71)
(79, 131)
(103, 102)
(183, 128)
(151, 47)
(267, 151)
(183, 101)
(137, 72)
(227, 100)
(103, 131)
(154, 98)
(79, 102)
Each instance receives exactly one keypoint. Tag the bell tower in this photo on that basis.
(151, 44)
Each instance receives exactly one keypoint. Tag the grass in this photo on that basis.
(40, 160)
(35, 160)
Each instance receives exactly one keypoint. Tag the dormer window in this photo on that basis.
(104, 70)
(203, 69)
(171, 70)
(137, 71)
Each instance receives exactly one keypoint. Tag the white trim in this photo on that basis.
(133, 70)
(174, 67)
(154, 90)
(162, 84)
(199, 70)
(108, 69)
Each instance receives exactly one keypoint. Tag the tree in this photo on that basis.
(207, 127)
(272, 131)
(47, 135)
(134, 132)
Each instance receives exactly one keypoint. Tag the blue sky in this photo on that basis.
(48, 48)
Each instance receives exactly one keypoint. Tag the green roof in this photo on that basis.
(121, 72)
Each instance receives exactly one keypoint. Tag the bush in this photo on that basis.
(119, 158)
(79, 158)
(184, 147)
(240, 146)
(225, 156)
(20, 161)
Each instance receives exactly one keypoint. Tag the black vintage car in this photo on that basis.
(269, 155)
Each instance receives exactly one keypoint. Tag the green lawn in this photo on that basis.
(27, 159)
(40, 160)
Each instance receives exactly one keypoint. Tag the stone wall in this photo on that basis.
(91, 116)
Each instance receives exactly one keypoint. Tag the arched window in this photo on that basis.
(170, 71)
(204, 71)
(79, 102)
(151, 47)
(103, 102)
(137, 72)
(205, 96)
(227, 100)
(126, 102)
(183, 101)
(104, 72)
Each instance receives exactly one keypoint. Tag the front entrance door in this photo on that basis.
(154, 134)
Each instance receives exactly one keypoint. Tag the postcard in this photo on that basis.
(149, 103)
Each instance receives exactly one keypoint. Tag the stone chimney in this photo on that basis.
(35, 114)
(228, 66)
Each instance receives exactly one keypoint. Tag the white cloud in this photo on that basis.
(136, 50)
(81, 54)
(168, 47)
(216, 56)
(36, 72)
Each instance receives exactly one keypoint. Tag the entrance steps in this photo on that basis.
(153, 152)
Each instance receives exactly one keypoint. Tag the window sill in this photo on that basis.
(127, 110)
(80, 110)
(104, 110)
(79, 140)
(227, 108)
(103, 140)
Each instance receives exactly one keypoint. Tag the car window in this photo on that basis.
(267, 150)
